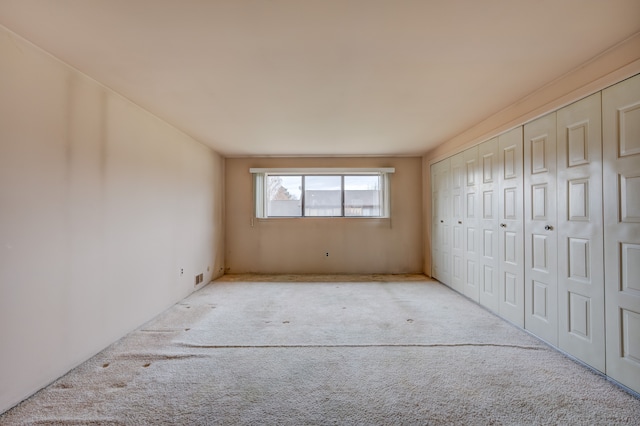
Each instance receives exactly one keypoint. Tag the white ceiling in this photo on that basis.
(323, 77)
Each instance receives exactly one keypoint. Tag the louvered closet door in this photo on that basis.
(621, 130)
(457, 229)
(540, 228)
(580, 236)
(441, 218)
(488, 259)
(470, 222)
(511, 227)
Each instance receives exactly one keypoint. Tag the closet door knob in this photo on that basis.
(548, 228)
(442, 221)
(459, 222)
(503, 225)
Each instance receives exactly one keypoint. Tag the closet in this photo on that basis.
(457, 204)
(471, 220)
(488, 224)
(440, 194)
(541, 225)
(563, 230)
(621, 178)
(510, 211)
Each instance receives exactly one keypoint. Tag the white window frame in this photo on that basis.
(260, 187)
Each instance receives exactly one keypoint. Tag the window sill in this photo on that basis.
(334, 220)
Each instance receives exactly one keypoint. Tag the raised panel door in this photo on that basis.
(441, 221)
(458, 178)
(511, 248)
(580, 235)
(470, 222)
(435, 228)
(540, 227)
(488, 256)
(621, 177)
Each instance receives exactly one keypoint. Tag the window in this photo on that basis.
(322, 192)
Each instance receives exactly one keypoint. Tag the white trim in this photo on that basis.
(260, 187)
(324, 170)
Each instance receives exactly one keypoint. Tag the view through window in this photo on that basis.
(321, 195)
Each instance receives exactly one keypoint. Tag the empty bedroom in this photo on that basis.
(319, 212)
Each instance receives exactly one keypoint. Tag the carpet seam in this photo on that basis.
(417, 345)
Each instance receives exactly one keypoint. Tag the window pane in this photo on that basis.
(323, 196)
(362, 195)
(283, 195)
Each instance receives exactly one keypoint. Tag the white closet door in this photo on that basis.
(435, 229)
(488, 261)
(580, 236)
(540, 239)
(621, 130)
(471, 231)
(441, 247)
(457, 215)
(511, 227)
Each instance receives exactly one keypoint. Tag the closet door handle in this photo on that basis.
(548, 228)
(503, 225)
(441, 221)
(459, 222)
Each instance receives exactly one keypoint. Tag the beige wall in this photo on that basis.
(299, 245)
(101, 205)
(616, 64)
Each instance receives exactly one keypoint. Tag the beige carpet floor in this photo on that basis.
(331, 350)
